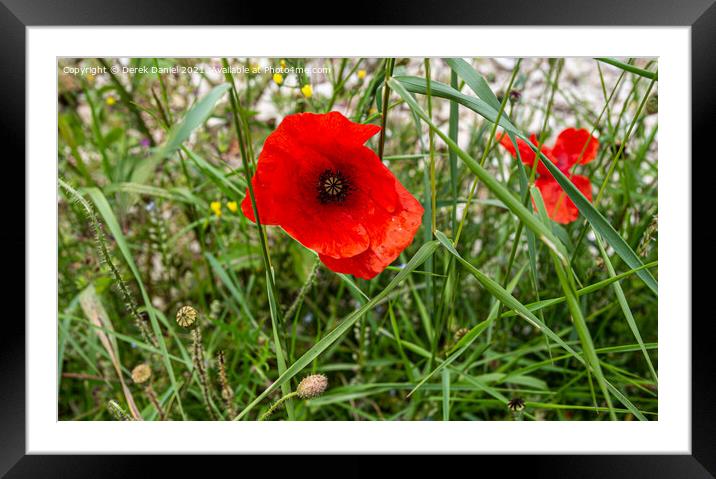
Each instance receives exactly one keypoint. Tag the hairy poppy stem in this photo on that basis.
(304, 289)
(431, 143)
(386, 96)
(155, 401)
(243, 136)
(275, 405)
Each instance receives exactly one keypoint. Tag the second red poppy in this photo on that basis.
(572, 147)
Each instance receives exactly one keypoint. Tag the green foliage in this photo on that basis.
(474, 314)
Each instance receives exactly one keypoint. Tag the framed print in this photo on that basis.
(347, 239)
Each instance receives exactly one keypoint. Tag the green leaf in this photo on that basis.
(474, 80)
(419, 85)
(180, 132)
(174, 194)
(625, 308)
(218, 177)
(566, 278)
(630, 68)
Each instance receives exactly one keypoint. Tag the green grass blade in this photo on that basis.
(629, 68)
(474, 80)
(446, 394)
(181, 131)
(598, 222)
(514, 204)
(419, 85)
(233, 288)
(625, 308)
(537, 305)
(511, 302)
(329, 339)
(467, 340)
(566, 279)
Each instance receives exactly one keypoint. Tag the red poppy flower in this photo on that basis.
(572, 147)
(317, 180)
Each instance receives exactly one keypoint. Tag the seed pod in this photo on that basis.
(516, 405)
(652, 104)
(312, 386)
(141, 373)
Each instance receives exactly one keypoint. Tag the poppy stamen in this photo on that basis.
(333, 187)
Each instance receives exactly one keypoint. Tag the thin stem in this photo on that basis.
(386, 95)
(275, 405)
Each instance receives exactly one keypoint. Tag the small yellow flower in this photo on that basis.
(233, 206)
(216, 208)
(277, 78)
(90, 78)
(283, 63)
(110, 100)
(361, 74)
(307, 91)
(373, 111)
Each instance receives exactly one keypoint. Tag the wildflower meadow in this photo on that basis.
(357, 239)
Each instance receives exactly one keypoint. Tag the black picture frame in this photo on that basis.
(16, 15)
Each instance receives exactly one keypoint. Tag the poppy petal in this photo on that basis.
(319, 131)
(363, 230)
(574, 146)
(559, 206)
(526, 154)
(285, 188)
(388, 240)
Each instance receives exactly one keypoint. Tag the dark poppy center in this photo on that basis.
(333, 187)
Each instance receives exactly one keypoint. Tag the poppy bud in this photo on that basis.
(141, 373)
(652, 104)
(516, 405)
(312, 386)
